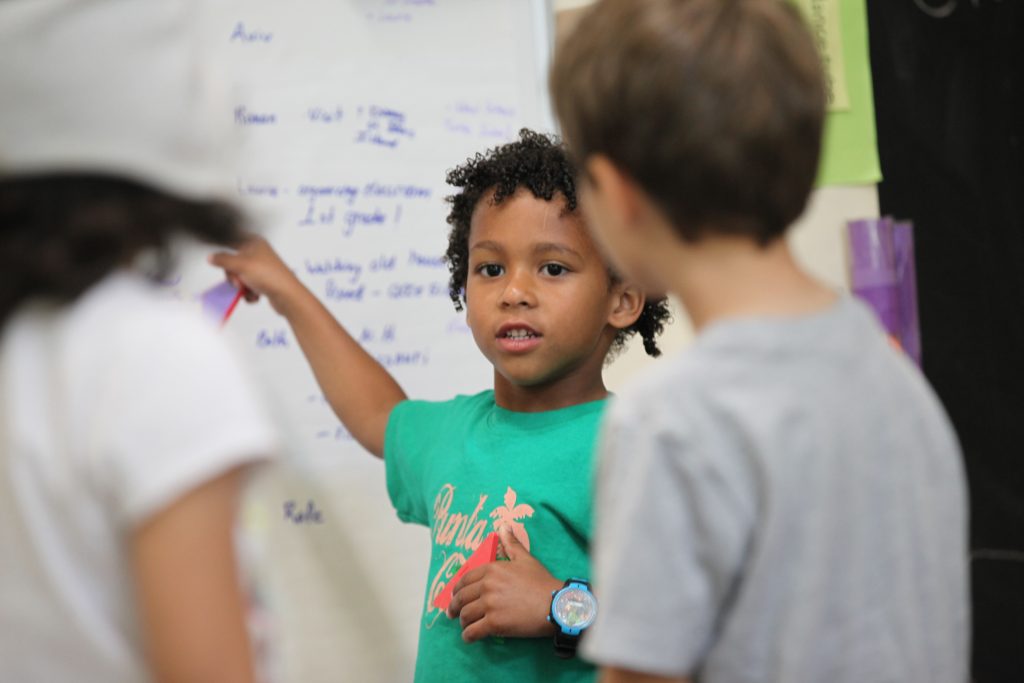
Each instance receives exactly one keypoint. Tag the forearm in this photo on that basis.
(360, 391)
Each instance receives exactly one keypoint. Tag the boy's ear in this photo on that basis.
(619, 193)
(628, 305)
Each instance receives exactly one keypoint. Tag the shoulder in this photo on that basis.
(460, 404)
(440, 415)
(663, 395)
(127, 318)
(145, 319)
(877, 371)
(675, 445)
(657, 421)
(690, 419)
(154, 354)
(417, 429)
(162, 397)
(122, 329)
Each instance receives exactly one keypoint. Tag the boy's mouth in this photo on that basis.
(517, 337)
(520, 334)
(517, 331)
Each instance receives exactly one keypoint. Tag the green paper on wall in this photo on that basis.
(850, 151)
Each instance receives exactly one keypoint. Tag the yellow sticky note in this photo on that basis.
(850, 150)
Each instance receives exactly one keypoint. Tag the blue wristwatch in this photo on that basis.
(573, 609)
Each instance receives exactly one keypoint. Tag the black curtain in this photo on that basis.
(949, 98)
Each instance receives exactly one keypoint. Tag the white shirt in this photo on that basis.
(110, 409)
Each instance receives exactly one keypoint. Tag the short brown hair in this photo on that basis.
(715, 107)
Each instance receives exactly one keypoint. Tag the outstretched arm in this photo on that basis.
(361, 392)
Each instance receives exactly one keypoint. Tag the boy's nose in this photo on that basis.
(518, 291)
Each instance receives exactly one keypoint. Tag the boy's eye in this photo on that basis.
(555, 269)
(490, 270)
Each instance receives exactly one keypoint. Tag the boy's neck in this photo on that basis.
(727, 277)
(573, 389)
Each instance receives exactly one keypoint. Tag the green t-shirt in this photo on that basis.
(460, 467)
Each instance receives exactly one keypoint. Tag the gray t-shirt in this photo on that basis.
(784, 502)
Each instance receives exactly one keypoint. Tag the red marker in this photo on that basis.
(231, 306)
(219, 301)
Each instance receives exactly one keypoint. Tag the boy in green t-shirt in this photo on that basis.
(546, 310)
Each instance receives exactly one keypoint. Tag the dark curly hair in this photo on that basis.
(540, 164)
(61, 234)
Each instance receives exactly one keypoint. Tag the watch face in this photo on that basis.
(575, 608)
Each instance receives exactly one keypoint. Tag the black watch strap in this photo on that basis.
(565, 645)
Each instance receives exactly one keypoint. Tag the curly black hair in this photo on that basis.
(540, 164)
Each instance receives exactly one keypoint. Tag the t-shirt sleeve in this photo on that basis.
(403, 464)
(671, 531)
(182, 414)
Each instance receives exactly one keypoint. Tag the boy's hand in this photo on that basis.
(258, 268)
(505, 598)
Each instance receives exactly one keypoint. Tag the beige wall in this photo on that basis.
(817, 238)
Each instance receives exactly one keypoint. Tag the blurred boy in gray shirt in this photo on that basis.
(785, 502)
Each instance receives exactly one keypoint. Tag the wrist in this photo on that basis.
(573, 610)
(549, 628)
(288, 297)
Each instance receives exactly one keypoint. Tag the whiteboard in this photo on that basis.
(352, 112)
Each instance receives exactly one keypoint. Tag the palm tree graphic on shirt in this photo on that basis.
(507, 515)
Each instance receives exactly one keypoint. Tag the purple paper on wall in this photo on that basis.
(873, 271)
(217, 300)
(906, 285)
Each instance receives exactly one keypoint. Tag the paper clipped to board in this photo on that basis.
(220, 301)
